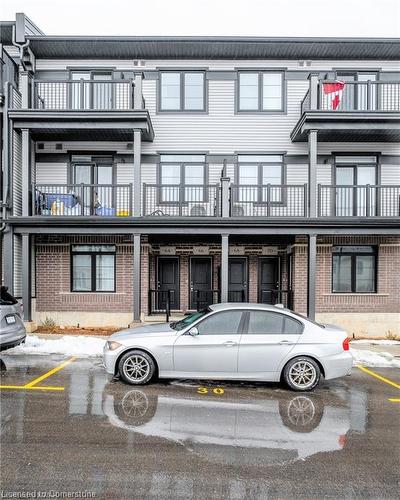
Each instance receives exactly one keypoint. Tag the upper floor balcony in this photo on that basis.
(217, 200)
(80, 109)
(350, 111)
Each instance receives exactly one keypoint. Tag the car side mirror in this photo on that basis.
(193, 332)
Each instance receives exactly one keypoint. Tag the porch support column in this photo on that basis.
(8, 258)
(26, 172)
(224, 266)
(26, 277)
(137, 181)
(136, 276)
(312, 173)
(311, 272)
(25, 88)
(314, 78)
(138, 91)
(225, 181)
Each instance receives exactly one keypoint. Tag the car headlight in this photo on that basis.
(112, 345)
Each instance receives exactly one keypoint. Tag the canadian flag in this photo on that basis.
(334, 91)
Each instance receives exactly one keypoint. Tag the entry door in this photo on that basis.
(268, 281)
(168, 280)
(237, 279)
(201, 294)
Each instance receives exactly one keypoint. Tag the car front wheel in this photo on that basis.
(301, 374)
(136, 367)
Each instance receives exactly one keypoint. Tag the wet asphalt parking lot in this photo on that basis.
(67, 428)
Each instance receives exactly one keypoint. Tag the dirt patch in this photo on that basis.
(77, 331)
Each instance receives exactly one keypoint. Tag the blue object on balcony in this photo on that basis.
(68, 199)
(105, 211)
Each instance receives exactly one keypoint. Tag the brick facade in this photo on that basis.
(387, 298)
(53, 274)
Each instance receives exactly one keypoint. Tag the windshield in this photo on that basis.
(180, 325)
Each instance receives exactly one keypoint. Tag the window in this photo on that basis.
(221, 323)
(261, 91)
(264, 323)
(182, 178)
(93, 268)
(354, 269)
(260, 178)
(182, 91)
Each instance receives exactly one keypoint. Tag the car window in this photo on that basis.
(220, 323)
(265, 322)
(180, 325)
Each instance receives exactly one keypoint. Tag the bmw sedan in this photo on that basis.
(233, 341)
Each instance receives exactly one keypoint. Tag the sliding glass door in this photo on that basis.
(355, 192)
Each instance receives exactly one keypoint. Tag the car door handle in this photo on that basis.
(230, 343)
(285, 342)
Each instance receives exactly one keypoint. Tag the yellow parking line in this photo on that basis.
(379, 377)
(49, 373)
(31, 386)
(36, 388)
(394, 400)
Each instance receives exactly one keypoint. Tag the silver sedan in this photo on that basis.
(233, 341)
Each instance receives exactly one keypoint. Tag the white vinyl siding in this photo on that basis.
(51, 173)
(222, 130)
(390, 175)
(215, 64)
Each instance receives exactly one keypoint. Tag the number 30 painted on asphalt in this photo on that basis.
(217, 390)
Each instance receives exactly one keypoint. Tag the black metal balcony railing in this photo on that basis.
(269, 200)
(359, 201)
(82, 200)
(181, 200)
(357, 96)
(83, 94)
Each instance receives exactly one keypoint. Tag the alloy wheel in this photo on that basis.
(136, 368)
(302, 374)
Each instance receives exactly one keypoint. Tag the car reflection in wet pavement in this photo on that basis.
(183, 439)
(238, 432)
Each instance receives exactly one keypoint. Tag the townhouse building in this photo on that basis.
(145, 174)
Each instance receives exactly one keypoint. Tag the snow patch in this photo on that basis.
(374, 359)
(376, 342)
(82, 346)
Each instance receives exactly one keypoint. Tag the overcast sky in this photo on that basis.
(380, 18)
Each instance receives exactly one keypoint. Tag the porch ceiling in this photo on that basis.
(349, 126)
(83, 125)
(204, 226)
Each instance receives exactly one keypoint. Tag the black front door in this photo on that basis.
(268, 281)
(168, 282)
(201, 294)
(237, 279)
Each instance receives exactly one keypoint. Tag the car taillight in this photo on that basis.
(346, 344)
(342, 440)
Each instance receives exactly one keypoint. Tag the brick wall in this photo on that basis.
(387, 298)
(53, 275)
